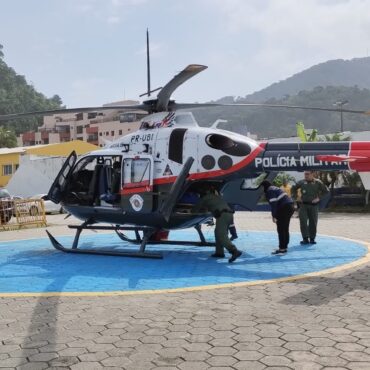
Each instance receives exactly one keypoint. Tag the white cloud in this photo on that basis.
(118, 3)
(85, 90)
(113, 20)
(290, 35)
(156, 49)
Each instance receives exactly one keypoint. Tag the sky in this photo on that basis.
(91, 52)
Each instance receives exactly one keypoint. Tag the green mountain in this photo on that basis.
(354, 72)
(276, 122)
(321, 86)
(16, 95)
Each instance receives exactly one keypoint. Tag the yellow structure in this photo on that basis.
(9, 157)
(9, 162)
(61, 149)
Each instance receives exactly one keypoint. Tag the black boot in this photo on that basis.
(305, 241)
(217, 255)
(280, 251)
(233, 233)
(234, 255)
(312, 241)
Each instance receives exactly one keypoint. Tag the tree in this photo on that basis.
(330, 178)
(283, 177)
(17, 96)
(7, 138)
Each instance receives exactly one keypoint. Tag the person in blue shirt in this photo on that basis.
(282, 210)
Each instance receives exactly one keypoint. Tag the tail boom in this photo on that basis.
(326, 156)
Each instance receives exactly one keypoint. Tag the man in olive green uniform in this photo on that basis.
(311, 191)
(224, 218)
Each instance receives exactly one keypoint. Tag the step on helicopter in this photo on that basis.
(146, 181)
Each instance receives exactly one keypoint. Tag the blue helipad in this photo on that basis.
(35, 266)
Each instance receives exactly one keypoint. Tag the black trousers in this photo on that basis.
(283, 216)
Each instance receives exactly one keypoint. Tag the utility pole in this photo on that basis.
(340, 104)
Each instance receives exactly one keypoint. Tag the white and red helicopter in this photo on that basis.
(142, 181)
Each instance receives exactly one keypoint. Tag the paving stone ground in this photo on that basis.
(315, 323)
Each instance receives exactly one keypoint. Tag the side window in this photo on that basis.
(136, 172)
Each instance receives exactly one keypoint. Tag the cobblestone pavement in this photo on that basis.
(315, 323)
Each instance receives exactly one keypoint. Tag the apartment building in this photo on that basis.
(93, 127)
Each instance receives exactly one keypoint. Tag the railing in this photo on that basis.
(23, 213)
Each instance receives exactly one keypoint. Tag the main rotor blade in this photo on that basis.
(166, 92)
(175, 106)
(6, 117)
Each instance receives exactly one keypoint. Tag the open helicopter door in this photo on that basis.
(60, 182)
(168, 205)
(137, 183)
(247, 192)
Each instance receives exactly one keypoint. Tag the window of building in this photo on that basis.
(91, 115)
(100, 134)
(7, 169)
(112, 133)
(120, 132)
(127, 117)
(79, 129)
(106, 133)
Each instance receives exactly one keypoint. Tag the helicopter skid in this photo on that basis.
(167, 242)
(102, 252)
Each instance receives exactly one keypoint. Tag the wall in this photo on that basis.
(8, 159)
(35, 175)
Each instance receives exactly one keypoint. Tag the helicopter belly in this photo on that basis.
(117, 216)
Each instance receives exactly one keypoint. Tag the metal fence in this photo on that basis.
(22, 213)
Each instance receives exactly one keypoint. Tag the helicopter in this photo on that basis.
(142, 182)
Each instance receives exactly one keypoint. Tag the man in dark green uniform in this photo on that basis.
(224, 218)
(311, 191)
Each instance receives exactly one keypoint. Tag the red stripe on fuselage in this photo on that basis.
(139, 189)
(360, 149)
(217, 173)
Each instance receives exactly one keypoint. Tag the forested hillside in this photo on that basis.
(16, 95)
(272, 122)
(354, 72)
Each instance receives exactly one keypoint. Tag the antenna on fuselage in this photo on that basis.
(148, 67)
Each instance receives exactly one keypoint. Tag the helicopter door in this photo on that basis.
(137, 183)
(57, 188)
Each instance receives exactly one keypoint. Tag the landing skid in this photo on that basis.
(141, 240)
(138, 240)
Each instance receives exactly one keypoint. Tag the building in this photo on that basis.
(9, 163)
(11, 158)
(93, 127)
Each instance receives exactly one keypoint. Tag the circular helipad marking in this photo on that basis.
(34, 266)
